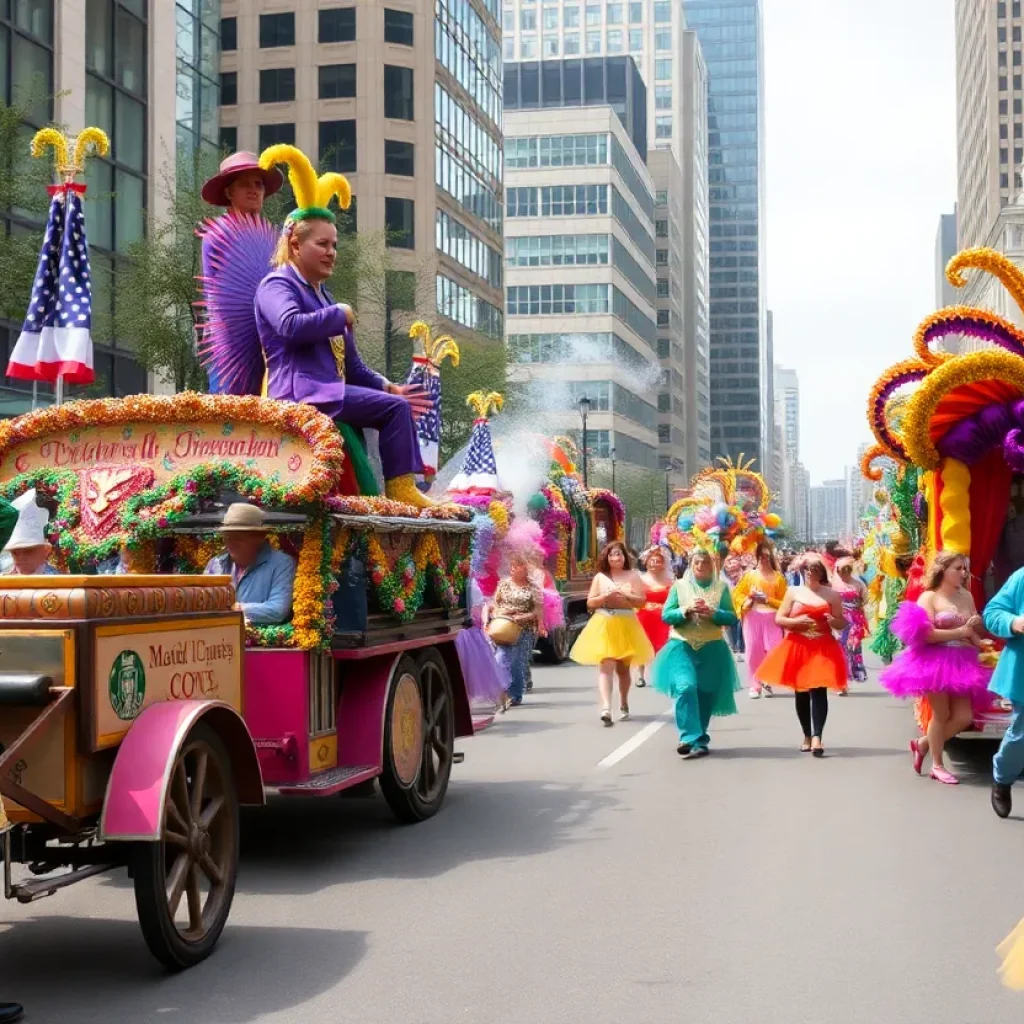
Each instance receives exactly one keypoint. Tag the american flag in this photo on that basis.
(479, 473)
(56, 339)
(428, 427)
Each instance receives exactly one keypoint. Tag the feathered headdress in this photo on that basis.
(313, 195)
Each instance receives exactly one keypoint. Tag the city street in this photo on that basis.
(570, 878)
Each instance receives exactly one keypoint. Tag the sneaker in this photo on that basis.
(1002, 800)
(641, 682)
(606, 717)
(768, 691)
(624, 713)
(754, 694)
(697, 753)
(683, 750)
(739, 656)
(515, 702)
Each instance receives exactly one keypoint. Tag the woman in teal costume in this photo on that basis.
(696, 667)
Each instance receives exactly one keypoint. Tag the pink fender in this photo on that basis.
(137, 789)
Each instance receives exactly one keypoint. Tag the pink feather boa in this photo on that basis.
(911, 624)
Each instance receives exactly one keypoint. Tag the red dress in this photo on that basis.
(803, 662)
(650, 617)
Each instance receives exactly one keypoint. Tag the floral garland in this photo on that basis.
(374, 506)
(614, 502)
(298, 419)
(499, 514)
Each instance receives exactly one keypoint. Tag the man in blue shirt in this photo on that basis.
(264, 577)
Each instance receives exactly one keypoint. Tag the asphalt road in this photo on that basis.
(756, 886)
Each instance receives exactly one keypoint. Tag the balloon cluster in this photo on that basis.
(725, 509)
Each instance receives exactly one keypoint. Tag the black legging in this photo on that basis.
(812, 710)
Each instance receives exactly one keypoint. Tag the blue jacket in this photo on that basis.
(265, 590)
(1008, 679)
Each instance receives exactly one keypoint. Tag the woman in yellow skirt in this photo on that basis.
(613, 639)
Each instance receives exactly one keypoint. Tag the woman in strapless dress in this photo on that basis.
(809, 661)
(943, 634)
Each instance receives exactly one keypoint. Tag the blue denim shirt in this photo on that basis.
(265, 589)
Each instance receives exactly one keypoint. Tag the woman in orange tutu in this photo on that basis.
(658, 579)
(809, 660)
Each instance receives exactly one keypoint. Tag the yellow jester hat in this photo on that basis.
(312, 194)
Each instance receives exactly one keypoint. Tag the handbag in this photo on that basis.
(503, 631)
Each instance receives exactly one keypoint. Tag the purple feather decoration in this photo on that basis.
(975, 327)
(1013, 451)
(883, 396)
(237, 250)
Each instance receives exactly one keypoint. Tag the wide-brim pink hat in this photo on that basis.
(215, 190)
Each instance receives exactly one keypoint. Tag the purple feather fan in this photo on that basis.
(237, 250)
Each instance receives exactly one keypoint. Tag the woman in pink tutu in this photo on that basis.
(943, 635)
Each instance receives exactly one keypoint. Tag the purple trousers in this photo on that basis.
(391, 417)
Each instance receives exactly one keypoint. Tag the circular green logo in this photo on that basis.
(127, 685)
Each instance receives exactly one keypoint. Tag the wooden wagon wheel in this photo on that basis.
(419, 737)
(184, 884)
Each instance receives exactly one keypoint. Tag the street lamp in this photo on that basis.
(584, 407)
(612, 453)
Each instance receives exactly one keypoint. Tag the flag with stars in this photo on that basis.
(56, 338)
(479, 473)
(428, 427)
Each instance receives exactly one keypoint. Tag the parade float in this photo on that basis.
(137, 712)
(725, 509)
(958, 427)
(573, 521)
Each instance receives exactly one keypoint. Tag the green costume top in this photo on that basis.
(697, 632)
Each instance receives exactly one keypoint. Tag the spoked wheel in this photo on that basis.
(419, 738)
(555, 649)
(184, 884)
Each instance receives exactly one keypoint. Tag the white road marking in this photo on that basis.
(634, 742)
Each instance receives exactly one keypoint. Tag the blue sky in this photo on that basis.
(860, 107)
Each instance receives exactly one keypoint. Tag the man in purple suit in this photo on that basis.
(311, 355)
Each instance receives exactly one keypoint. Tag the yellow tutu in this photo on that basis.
(615, 636)
(1011, 949)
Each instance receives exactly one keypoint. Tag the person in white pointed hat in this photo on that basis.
(28, 546)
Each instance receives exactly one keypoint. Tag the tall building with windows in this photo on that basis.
(730, 35)
(95, 62)
(582, 286)
(197, 34)
(404, 98)
(989, 113)
(829, 511)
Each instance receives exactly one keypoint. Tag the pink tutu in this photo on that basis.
(554, 612)
(925, 668)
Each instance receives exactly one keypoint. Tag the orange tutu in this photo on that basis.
(805, 663)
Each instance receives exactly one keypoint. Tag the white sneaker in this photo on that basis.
(754, 694)
(624, 713)
(739, 656)
(768, 691)
(606, 717)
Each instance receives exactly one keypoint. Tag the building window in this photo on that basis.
(228, 140)
(337, 81)
(662, 13)
(615, 40)
(528, 47)
(664, 433)
(663, 40)
(663, 317)
(550, 21)
(663, 127)
(229, 34)
(551, 46)
(663, 97)
(661, 228)
(614, 14)
(275, 134)
(571, 43)
(1002, 83)
(400, 222)
(398, 102)
(277, 85)
(277, 29)
(528, 21)
(593, 16)
(337, 25)
(661, 258)
(399, 158)
(228, 88)
(636, 13)
(338, 145)
(397, 27)
(593, 42)
(663, 69)
(571, 17)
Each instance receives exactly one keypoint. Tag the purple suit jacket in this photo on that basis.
(295, 323)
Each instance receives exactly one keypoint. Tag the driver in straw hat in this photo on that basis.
(263, 576)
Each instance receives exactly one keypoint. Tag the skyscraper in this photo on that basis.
(945, 250)
(989, 113)
(383, 94)
(731, 38)
(829, 516)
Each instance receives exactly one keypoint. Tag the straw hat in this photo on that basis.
(215, 190)
(32, 520)
(241, 517)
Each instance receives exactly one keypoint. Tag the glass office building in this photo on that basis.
(730, 34)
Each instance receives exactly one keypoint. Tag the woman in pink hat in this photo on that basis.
(241, 185)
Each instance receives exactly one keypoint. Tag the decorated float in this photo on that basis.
(958, 426)
(137, 711)
(725, 509)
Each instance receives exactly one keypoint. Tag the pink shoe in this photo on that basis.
(915, 749)
(946, 778)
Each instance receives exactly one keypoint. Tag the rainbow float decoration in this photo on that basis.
(725, 509)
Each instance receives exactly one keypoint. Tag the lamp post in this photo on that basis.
(584, 407)
(612, 453)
